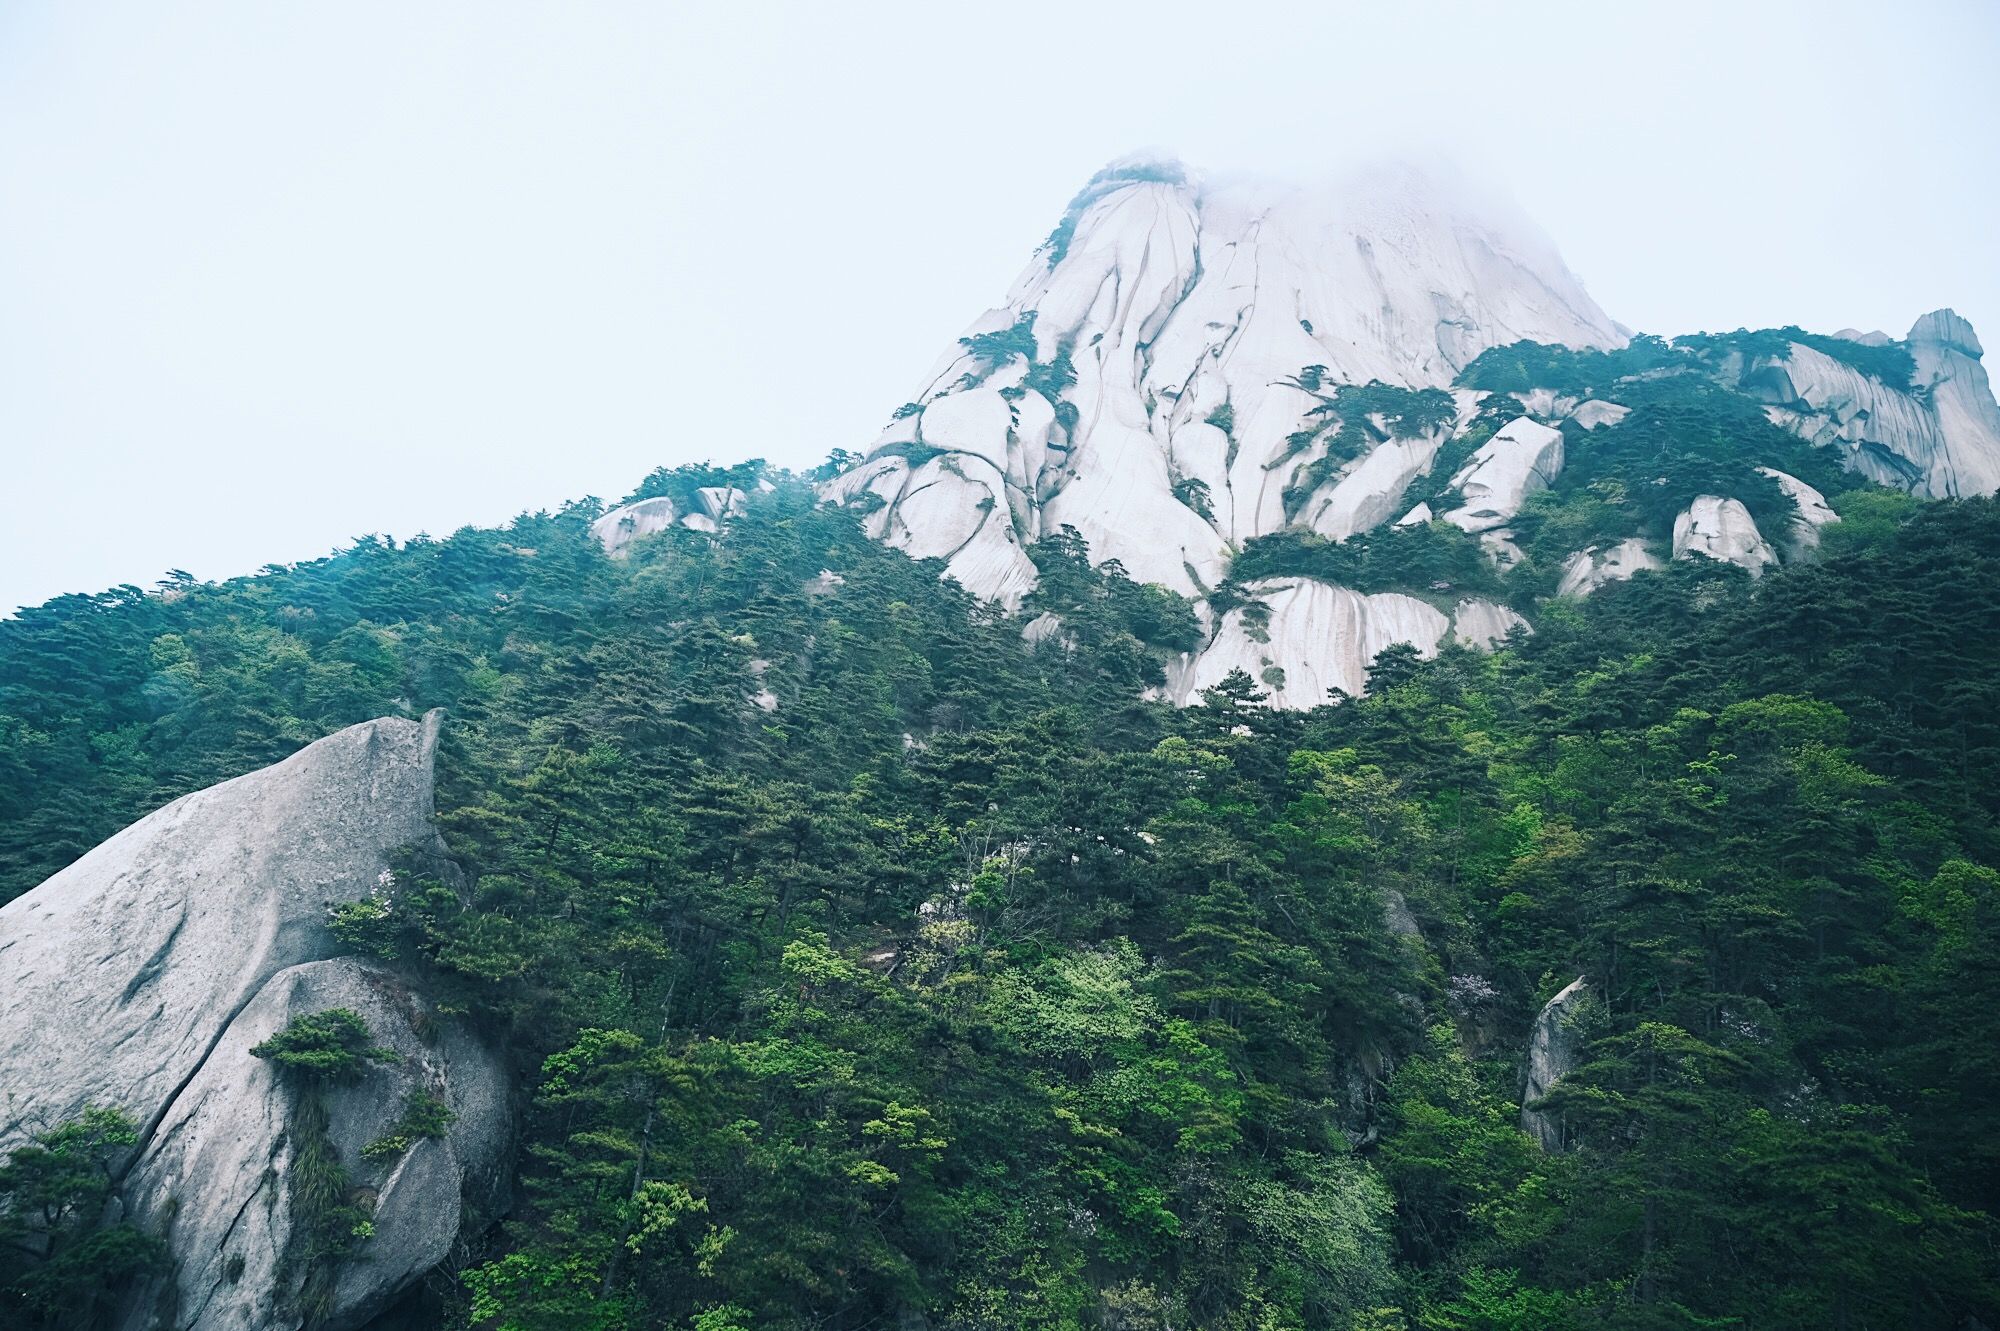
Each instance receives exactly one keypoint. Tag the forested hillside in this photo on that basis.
(865, 966)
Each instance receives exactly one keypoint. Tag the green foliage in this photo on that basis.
(424, 1117)
(1891, 362)
(1521, 367)
(329, 1046)
(681, 484)
(1426, 559)
(62, 1265)
(995, 349)
(965, 986)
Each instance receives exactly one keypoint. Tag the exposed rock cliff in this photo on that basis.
(1167, 379)
(1166, 337)
(1937, 436)
(140, 976)
(1302, 640)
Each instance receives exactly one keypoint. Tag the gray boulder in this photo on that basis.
(1553, 1050)
(140, 976)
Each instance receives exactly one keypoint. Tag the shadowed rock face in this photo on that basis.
(1553, 1049)
(140, 976)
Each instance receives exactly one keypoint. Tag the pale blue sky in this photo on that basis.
(275, 275)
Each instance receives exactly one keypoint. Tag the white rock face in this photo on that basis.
(1813, 514)
(622, 526)
(1521, 458)
(1188, 313)
(1590, 415)
(1722, 529)
(1322, 637)
(1481, 623)
(714, 505)
(1319, 639)
(1947, 353)
(1942, 444)
(215, 1171)
(139, 976)
(1587, 570)
(1366, 495)
(1553, 1051)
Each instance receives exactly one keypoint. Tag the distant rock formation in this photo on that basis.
(1166, 377)
(712, 506)
(1587, 570)
(139, 978)
(1937, 436)
(1160, 339)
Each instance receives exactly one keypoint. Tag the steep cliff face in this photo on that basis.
(1937, 435)
(139, 977)
(1189, 366)
(1149, 377)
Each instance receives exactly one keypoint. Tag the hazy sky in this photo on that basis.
(276, 275)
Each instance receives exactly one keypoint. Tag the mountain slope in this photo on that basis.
(1188, 368)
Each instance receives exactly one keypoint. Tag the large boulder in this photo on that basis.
(1554, 1047)
(140, 976)
(1521, 458)
(1723, 530)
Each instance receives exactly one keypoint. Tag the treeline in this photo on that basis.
(965, 989)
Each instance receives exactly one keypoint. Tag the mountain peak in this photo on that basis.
(1148, 378)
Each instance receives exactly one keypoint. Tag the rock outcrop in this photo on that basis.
(1937, 436)
(1587, 570)
(1554, 1047)
(1365, 496)
(1813, 513)
(1722, 529)
(1302, 640)
(140, 976)
(711, 507)
(1947, 353)
(1521, 458)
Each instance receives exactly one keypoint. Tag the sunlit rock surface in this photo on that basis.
(138, 977)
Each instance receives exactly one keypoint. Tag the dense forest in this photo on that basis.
(865, 966)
